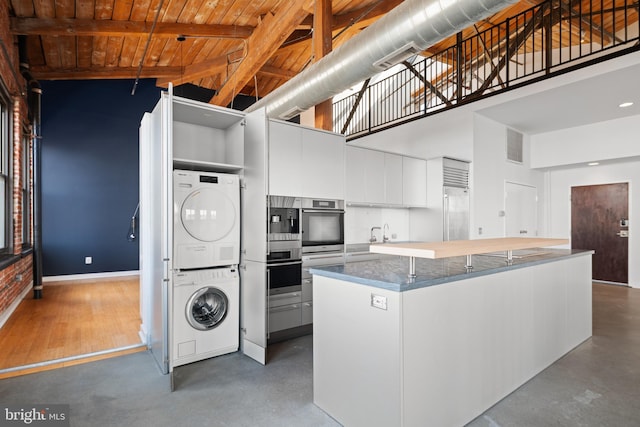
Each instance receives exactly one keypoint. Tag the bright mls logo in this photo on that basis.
(35, 415)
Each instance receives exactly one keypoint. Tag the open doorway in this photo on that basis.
(599, 221)
(79, 321)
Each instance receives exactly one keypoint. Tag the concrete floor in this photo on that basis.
(597, 384)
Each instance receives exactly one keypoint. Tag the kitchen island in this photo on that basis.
(442, 347)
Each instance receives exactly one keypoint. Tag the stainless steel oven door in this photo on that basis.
(283, 277)
(322, 230)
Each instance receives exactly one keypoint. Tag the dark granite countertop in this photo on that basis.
(391, 272)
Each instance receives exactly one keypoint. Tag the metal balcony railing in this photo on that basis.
(551, 38)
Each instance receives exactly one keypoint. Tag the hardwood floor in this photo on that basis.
(73, 318)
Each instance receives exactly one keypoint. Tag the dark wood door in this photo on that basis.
(599, 221)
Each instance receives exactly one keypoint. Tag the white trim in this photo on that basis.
(71, 358)
(91, 276)
(4, 316)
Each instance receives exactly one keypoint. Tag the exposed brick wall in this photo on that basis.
(18, 275)
(13, 281)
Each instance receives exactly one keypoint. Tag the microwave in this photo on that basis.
(322, 225)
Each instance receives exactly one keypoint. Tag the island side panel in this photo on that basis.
(470, 343)
(579, 301)
(356, 353)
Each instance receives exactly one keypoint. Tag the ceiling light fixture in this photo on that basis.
(625, 104)
(593, 164)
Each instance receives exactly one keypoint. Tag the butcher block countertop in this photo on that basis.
(436, 250)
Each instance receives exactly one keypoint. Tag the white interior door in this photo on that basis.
(521, 210)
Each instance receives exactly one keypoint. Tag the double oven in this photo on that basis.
(298, 229)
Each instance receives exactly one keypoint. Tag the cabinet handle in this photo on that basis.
(285, 308)
(285, 296)
(308, 304)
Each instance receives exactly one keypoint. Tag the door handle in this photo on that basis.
(623, 233)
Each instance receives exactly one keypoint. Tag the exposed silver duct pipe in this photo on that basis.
(408, 29)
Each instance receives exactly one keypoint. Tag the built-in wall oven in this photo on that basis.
(322, 225)
(284, 263)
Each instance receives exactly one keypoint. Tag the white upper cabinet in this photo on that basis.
(414, 180)
(365, 175)
(356, 174)
(305, 162)
(393, 184)
(285, 159)
(378, 178)
(323, 164)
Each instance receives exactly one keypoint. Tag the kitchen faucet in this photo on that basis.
(385, 230)
(373, 239)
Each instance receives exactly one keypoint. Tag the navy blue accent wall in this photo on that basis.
(90, 173)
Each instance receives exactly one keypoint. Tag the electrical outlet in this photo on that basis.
(88, 260)
(378, 301)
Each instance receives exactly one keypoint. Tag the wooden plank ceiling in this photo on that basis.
(231, 46)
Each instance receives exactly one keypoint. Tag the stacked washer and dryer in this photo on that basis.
(206, 251)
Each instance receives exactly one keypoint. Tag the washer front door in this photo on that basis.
(207, 308)
(208, 214)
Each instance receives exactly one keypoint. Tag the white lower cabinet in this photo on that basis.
(285, 311)
(307, 301)
(284, 317)
(307, 312)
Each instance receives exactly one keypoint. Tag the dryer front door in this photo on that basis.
(208, 215)
(207, 308)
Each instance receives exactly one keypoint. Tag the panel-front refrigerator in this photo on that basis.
(455, 213)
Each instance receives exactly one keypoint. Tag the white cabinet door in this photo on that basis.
(375, 177)
(393, 179)
(285, 159)
(414, 177)
(365, 176)
(356, 168)
(253, 321)
(322, 164)
(365, 181)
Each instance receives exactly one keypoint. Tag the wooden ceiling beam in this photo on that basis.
(280, 73)
(101, 73)
(360, 18)
(195, 71)
(365, 16)
(321, 46)
(267, 37)
(105, 27)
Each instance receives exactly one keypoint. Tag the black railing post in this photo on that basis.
(548, 40)
(369, 102)
(459, 60)
(507, 54)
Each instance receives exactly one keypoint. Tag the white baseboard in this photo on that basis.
(90, 276)
(4, 316)
(144, 336)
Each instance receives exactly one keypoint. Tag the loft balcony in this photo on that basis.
(551, 38)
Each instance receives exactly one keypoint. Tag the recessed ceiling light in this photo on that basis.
(625, 104)
(593, 164)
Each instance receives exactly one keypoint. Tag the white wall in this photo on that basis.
(449, 133)
(559, 183)
(595, 142)
(490, 172)
(614, 139)
(550, 162)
